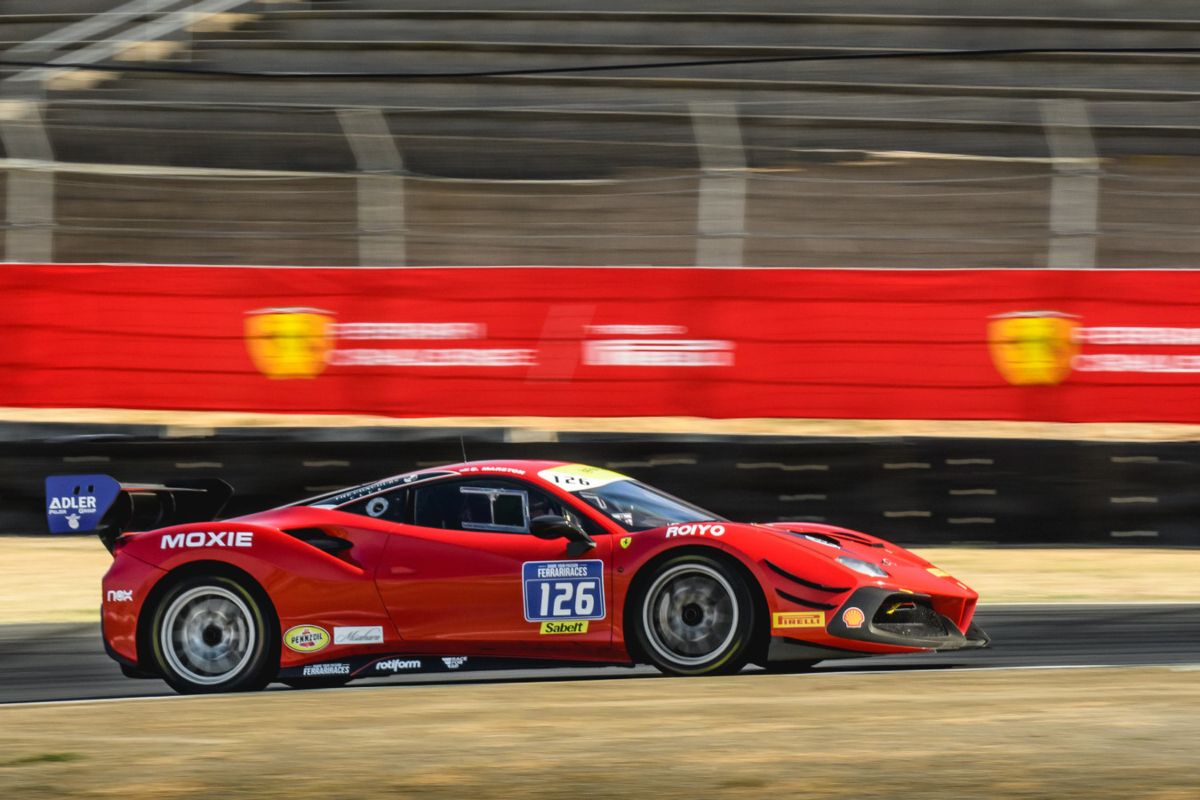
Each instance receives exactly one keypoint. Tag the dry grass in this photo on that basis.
(1063, 574)
(1067, 734)
(57, 579)
(51, 578)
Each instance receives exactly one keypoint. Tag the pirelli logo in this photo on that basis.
(798, 619)
(574, 626)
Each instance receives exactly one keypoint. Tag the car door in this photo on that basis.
(464, 575)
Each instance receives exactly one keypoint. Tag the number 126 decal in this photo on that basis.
(560, 590)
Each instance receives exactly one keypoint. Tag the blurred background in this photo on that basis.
(858, 134)
(774, 133)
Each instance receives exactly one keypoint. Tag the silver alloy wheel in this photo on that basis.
(207, 635)
(690, 614)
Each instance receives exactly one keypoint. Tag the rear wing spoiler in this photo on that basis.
(100, 504)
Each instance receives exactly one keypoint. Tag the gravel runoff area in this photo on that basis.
(57, 579)
(1066, 734)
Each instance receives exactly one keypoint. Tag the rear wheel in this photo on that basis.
(212, 634)
(695, 616)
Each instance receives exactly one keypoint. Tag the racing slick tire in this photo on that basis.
(694, 615)
(211, 633)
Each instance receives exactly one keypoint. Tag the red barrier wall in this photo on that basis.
(971, 344)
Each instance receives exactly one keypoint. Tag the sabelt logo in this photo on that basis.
(571, 626)
(306, 638)
(798, 619)
(289, 342)
(1033, 348)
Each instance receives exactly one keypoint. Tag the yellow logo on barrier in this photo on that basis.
(1033, 348)
(798, 619)
(289, 342)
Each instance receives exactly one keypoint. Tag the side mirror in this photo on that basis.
(553, 527)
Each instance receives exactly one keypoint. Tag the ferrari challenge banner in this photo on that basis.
(955, 344)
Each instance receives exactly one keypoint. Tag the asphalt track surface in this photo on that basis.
(67, 661)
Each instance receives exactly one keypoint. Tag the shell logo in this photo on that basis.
(289, 342)
(853, 617)
(306, 638)
(1033, 348)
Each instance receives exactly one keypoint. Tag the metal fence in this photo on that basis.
(633, 132)
(197, 196)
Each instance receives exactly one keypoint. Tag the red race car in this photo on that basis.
(490, 564)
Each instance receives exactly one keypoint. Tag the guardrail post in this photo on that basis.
(30, 186)
(381, 213)
(1075, 189)
(721, 216)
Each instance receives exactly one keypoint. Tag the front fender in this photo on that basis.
(803, 590)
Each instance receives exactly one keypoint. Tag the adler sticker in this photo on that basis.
(306, 638)
(798, 619)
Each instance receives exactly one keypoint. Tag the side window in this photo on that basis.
(486, 505)
(391, 506)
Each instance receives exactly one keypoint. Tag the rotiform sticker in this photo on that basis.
(563, 590)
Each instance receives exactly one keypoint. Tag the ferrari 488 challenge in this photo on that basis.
(487, 565)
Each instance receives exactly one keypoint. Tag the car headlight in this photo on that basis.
(864, 567)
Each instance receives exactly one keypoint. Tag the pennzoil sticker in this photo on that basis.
(798, 619)
(306, 638)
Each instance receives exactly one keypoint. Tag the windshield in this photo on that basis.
(637, 507)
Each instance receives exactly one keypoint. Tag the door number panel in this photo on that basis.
(563, 590)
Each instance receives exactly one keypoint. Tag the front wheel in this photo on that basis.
(212, 634)
(694, 616)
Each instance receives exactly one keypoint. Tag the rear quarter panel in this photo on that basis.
(306, 586)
